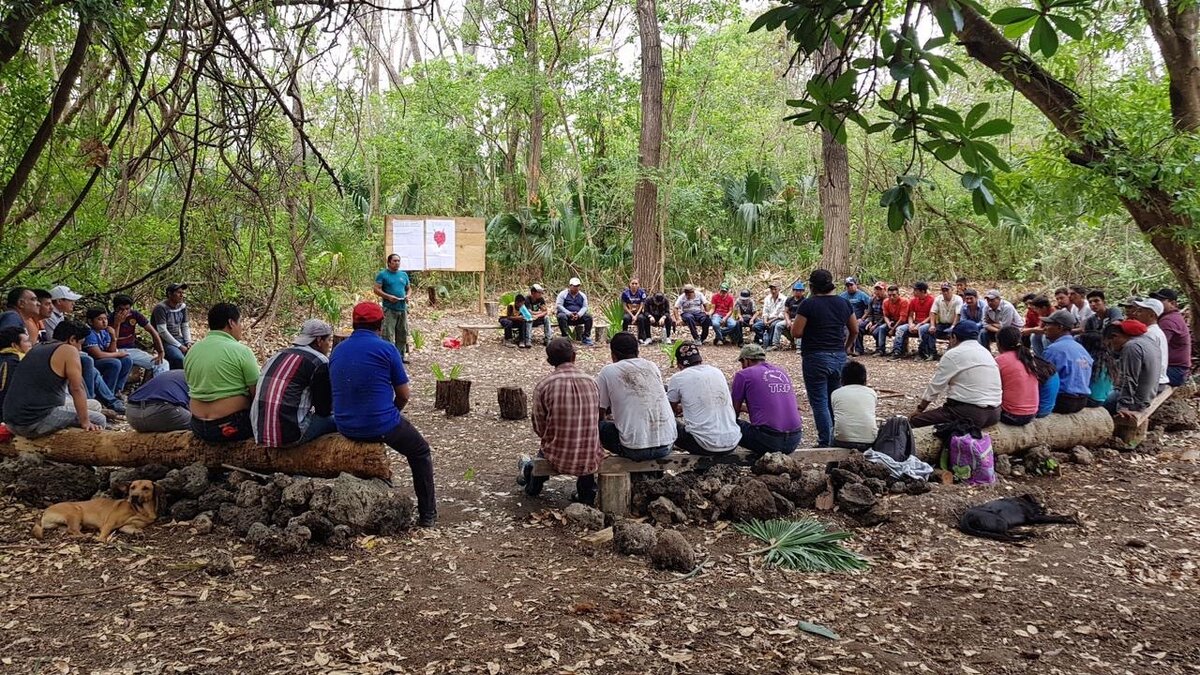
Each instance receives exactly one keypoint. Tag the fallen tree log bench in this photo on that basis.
(1132, 431)
(614, 477)
(323, 457)
(470, 331)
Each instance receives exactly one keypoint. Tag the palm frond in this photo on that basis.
(803, 545)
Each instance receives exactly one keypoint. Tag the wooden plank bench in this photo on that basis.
(615, 484)
(1133, 431)
(470, 331)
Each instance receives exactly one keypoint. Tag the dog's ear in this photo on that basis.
(120, 490)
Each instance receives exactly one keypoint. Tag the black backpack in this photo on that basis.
(895, 439)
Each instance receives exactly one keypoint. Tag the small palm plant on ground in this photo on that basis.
(802, 545)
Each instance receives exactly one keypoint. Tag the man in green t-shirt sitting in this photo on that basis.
(221, 374)
(391, 285)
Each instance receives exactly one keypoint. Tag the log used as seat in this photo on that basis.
(324, 457)
(470, 331)
(1133, 431)
(1089, 427)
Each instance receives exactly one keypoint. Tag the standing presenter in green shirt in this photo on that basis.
(391, 285)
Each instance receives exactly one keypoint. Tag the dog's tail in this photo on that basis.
(37, 528)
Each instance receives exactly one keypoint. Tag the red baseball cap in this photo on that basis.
(367, 312)
(1131, 327)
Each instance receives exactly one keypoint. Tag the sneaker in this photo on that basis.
(526, 345)
(427, 520)
(524, 469)
(588, 342)
(647, 341)
(718, 342)
(118, 407)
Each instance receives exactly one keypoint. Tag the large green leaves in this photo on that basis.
(1043, 20)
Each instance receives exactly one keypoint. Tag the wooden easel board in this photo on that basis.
(436, 243)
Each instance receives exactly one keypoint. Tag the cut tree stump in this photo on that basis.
(440, 392)
(492, 308)
(514, 404)
(324, 457)
(1133, 431)
(458, 397)
(432, 295)
(615, 495)
(470, 337)
(1090, 427)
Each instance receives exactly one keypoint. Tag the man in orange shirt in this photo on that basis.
(895, 313)
(919, 309)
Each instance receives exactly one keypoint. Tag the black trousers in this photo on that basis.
(953, 410)
(406, 440)
(1067, 404)
(228, 429)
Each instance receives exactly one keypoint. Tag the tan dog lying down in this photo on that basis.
(129, 515)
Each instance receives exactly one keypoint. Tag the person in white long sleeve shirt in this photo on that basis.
(770, 324)
(968, 377)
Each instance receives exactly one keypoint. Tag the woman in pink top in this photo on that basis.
(1020, 375)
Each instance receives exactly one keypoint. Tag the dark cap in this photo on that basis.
(171, 288)
(966, 330)
(1165, 294)
(1061, 317)
(688, 354)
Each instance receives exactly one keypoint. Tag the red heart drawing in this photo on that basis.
(439, 237)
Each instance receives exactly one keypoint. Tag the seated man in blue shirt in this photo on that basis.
(571, 307)
(1070, 359)
(370, 388)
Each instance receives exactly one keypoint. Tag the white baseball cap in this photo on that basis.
(574, 281)
(311, 331)
(63, 293)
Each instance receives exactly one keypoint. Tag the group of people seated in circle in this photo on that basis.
(1061, 357)
(53, 368)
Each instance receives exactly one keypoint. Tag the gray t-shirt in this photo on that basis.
(707, 407)
(633, 388)
(694, 304)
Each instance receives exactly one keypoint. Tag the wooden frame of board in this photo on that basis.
(470, 245)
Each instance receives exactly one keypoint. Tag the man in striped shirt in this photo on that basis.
(292, 402)
(565, 412)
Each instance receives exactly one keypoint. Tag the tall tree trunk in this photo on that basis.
(513, 133)
(470, 28)
(410, 27)
(647, 228)
(537, 115)
(62, 96)
(833, 185)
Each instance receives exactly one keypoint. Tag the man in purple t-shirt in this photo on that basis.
(764, 391)
(1179, 337)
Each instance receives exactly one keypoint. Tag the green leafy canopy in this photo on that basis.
(881, 66)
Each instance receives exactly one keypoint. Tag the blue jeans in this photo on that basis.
(1037, 342)
(145, 360)
(760, 440)
(96, 387)
(610, 440)
(768, 335)
(900, 343)
(880, 335)
(695, 320)
(174, 356)
(318, 426)
(115, 372)
(1176, 375)
(723, 326)
(986, 337)
(822, 376)
(927, 340)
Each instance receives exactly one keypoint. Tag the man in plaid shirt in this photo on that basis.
(565, 413)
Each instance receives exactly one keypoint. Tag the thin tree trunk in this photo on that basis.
(62, 96)
(537, 116)
(410, 26)
(647, 228)
(833, 185)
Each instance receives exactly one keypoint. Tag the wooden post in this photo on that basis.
(513, 403)
(432, 291)
(440, 394)
(458, 397)
(616, 494)
(481, 291)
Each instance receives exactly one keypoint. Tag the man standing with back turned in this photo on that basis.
(391, 285)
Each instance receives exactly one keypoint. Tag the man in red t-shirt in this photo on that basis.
(723, 322)
(918, 312)
(1036, 307)
(895, 313)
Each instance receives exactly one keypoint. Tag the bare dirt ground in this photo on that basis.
(502, 586)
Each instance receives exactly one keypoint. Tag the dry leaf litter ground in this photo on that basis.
(503, 585)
